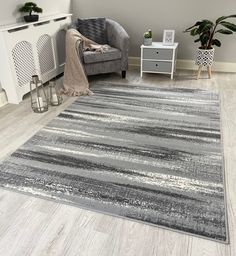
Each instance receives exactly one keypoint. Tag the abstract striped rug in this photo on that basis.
(145, 153)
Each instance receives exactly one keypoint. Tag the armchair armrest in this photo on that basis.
(117, 37)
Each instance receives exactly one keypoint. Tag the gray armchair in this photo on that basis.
(114, 59)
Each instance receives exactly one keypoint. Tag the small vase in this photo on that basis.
(39, 102)
(55, 99)
(147, 41)
(204, 57)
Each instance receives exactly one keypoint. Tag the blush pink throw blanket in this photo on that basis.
(75, 79)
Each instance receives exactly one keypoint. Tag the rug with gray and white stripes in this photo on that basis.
(145, 153)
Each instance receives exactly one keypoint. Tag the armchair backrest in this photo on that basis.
(92, 28)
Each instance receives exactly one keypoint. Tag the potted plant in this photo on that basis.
(30, 8)
(206, 32)
(147, 38)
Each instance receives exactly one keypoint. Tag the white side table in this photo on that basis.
(158, 58)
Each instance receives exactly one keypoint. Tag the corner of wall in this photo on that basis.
(3, 98)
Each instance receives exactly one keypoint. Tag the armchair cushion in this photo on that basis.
(109, 54)
(94, 29)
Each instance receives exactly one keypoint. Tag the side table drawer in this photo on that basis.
(157, 54)
(157, 66)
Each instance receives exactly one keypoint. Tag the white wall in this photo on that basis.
(137, 16)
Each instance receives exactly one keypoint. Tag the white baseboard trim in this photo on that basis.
(3, 98)
(181, 64)
(190, 65)
(134, 61)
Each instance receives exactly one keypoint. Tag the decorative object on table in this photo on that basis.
(206, 31)
(54, 97)
(155, 167)
(39, 101)
(168, 37)
(158, 58)
(31, 8)
(147, 38)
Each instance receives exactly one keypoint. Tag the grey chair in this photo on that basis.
(113, 60)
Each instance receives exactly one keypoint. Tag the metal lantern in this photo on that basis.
(55, 99)
(39, 101)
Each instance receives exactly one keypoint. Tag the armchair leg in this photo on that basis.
(123, 74)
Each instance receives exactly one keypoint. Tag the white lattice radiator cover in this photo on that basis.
(31, 48)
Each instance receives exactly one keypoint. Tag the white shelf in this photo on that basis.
(160, 45)
(42, 19)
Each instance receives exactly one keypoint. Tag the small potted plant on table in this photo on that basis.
(206, 31)
(29, 8)
(147, 38)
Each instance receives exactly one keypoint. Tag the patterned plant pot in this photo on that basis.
(204, 57)
(147, 41)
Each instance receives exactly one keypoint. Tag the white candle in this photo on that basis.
(54, 98)
(39, 102)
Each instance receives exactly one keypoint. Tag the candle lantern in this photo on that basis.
(55, 98)
(39, 101)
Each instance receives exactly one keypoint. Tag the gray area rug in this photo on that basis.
(149, 154)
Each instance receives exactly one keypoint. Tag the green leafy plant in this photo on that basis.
(30, 7)
(148, 34)
(207, 31)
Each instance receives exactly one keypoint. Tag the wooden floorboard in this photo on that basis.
(33, 226)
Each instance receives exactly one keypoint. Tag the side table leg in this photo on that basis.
(199, 71)
(209, 72)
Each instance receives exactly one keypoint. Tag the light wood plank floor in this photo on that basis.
(32, 226)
